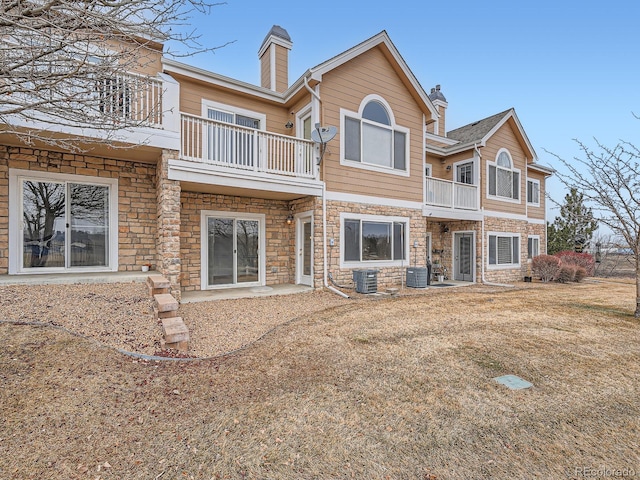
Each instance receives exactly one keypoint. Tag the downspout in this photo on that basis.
(484, 280)
(324, 211)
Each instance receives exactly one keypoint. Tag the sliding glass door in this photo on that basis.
(64, 224)
(233, 247)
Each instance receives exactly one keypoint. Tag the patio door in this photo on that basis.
(233, 251)
(304, 249)
(464, 257)
(64, 225)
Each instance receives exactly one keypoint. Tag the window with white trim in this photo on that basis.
(533, 192)
(503, 178)
(62, 222)
(464, 173)
(374, 239)
(371, 138)
(533, 246)
(504, 250)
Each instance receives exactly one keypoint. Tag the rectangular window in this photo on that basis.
(62, 222)
(533, 247)
(533, 192)
(374, 241)
(464, 173)
(504, 183)
(504, 250)
(375, 145)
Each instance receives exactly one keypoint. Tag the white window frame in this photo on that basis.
(503, 266)
(301, 116)
(535, 238)
(533, 181)
(428, 170)
(204, 248)
(512, 170)
(15, 221)
(344, 113)
(207, 104)
(379, 219)
(474, 171)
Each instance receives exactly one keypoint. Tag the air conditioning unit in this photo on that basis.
(417, 277)
(366, 281)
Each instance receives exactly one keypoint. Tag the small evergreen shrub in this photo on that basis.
(584, 260)
(581, 274)
(545, 267)
(566, 274)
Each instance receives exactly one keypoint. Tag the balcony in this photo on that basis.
(449, 199)
(120, 110)
(235, 157)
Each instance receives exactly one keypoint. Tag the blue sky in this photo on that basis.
(569, 68)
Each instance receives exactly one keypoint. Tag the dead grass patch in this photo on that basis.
(396, 388)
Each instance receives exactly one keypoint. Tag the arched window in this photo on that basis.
(504, 180)
(372, 139)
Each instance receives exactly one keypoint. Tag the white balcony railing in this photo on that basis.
(131, 98)
(222, 144)
(448, 194)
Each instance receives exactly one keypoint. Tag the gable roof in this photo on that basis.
(381, 39)
(477, 133)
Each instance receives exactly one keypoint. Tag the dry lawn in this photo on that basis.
(399, 388)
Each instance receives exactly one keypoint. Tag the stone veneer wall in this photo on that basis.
(136, 197)
(280, 237)
(168, 261)
(444, 243)
(387, 276)
(507, 275)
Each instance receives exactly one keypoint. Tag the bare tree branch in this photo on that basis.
(89, 64)
(609, 178)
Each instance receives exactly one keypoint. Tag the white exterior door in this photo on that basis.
(304, 250)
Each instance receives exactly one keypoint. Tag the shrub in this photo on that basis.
(567, 273)
(584, 260)
(546, 267)
(581, 274)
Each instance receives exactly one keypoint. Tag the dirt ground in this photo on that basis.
(367, 388)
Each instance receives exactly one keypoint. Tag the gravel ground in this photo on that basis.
(120, 315)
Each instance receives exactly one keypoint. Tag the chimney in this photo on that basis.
(274, 59)
(441, 105)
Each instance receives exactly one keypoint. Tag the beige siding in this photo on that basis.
(537, 212)
(505, 137)
(192, 94)
(265, 71)
(345, 87)
(282, 68)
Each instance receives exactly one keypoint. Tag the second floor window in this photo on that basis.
(372, 138)
(464, 173)
(504, 179)
(533, 192)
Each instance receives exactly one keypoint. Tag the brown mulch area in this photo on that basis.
(371, 388)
